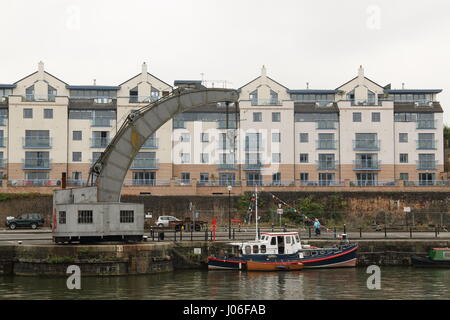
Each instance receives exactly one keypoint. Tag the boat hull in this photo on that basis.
(425, 262)
(274, 266)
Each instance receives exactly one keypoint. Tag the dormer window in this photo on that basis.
(29, 93)
(51, 93)
(134, 98)
(154, 94)
(254, 97)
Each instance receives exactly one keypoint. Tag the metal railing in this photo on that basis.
(35, 97)
(266, 102)
(426, 144)
(227, 166)
(253, 166)
(151, 143)
(426, 164)
(254, 146)
(279, 183)
(103, 100)
(366, 164)
(326, 164)
(142, 99)
(101, 122)
(100, 142)
(76, 182)
(36, 163)
(326, 124)
(422, 183)
(326, 144)
(219, 183)
(37, 142)
(366, 144)
(222, 124)
(147, 163)
(425, 124)
(373, 183)
(147, 182)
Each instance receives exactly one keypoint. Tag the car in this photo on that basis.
(25, 220)
(165, 221)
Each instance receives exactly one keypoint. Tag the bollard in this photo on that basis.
(385, 232)
(435, 232)
(206, 235)
(259, 231)
(233, 233)
(175, 235)
(335, 232)
(309, 232)
(410, 233)
(284, 229)
(360, 232)
(239, 227)
(153, 235)
(181, 235)
(191, 234)
(272, 227)
(345, 229)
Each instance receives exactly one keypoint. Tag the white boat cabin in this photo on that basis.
(272, 243)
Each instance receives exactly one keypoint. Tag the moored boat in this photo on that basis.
(274, 266)
(437, 258)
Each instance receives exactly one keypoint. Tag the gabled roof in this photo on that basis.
(148, 74)
(44, 72)
(92, 87)
(406, 91)
(239, 89)
(357, 78)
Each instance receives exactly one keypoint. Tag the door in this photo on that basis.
(280, 244)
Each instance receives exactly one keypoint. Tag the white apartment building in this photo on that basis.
(360, 133)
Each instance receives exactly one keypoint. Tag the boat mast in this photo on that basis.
(256, 210)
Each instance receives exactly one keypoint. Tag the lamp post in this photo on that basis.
(229, 211)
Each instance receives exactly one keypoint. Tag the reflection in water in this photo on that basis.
(396, 283)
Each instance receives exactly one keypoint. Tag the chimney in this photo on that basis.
(403, 85)
(95, 82)
(41, 70)
(144, 72)
(263, 71)
(307, 85)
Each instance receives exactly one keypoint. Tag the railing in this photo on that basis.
(103, 100)
(279, 183)
(366, 164)
(426, 144)
(35, 97)
(222, 124)
(76, 182)
(179, 124)
(147, 182)
(34, 183)
(101, 122)
(326, 124)
(373, 183)
(425, 124)
(421, 183)
(426, 164)
(3, 121)
(2, 163)
(183, 182)
(99, 142)
(366, 144)
(326, 144)
(225, 146)
(145, 164)
(36, 163)
(142, 99)
(219, 183)
(3, 142)
(37, 142)
(266, 102)
(326, 164)
(253, 166)
(254, 183)
(226, 166)
(321, 183)
(151, 143)
(372, 102)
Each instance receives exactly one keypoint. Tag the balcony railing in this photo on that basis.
(219, 183)
(103, 100)
(225, 146)
(36, 163)
(76, 182)
(254, 146)
(101, 122)
(326, 144)
(253, 166)
(326, 124)
(366, 164)
(99, 142)
(142, 99)
(279, 183)
(266, 102)
(37, 142)
(426, 164)
(2, 163)
(222, 124)
(3, 142)
(366, 144)
(34, 183)
(35, 97)
(427, 144)
(226, 166)
(151, 143)
(147, 182)
(145, 164)
(425, 124)
(326, 164)
(321, 183)
(421, 183)
(372, 183)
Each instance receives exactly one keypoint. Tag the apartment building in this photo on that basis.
(358, 134)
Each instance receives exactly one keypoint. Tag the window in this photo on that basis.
(204, 137)
(257, 116)
(402, 137)
(276, 116)
(255, 248)
(304, 177)
(185, 177)
(326, 179)
(85, 216)
(28, 113)
(62, 217)
(204, 158)
(77, 135)
(403, 158)
(304, 137)
(185, 157)
(126, 216)
(303, 158)
(356, 116)
(276, 157)
(276, 178)
(276, 137)
(185, 137)
(76, 156)
(376, 117)
(48, 113)
(404, 176)
(76, 175)
(263, 248)
(273, 241)
(204, 177)
(253, 142)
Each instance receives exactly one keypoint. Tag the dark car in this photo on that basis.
(25, 220)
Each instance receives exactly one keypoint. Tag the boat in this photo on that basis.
(283, 247)
(437, 258)
(274, 266)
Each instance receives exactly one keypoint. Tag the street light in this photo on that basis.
(229, 211)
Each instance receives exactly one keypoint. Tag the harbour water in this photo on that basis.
(396, 283)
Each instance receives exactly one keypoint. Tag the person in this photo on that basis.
(317, 227)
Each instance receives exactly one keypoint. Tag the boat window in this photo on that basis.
(273, 241)
(288, 240)
(446, 254)
(255, 249)
(314, 253)
(248, 249)
(297, 239)
(306, 253)
(263, 248)
(322, 252)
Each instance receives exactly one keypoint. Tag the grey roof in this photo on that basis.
(7, 86)
(411, 107)
(91, 87)
(313, 91)
(406, 91)
(178, 82)
(310, 107)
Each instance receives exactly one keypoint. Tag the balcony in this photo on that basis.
(425, 124)
(142, 99)
(266, 102)
(253, 166)
(179, 124)
(366, 164)
(37, 98)
(254, 146)
(326, 164)
(222, 124)
(427, 144)
(326, 144)
(147, 182)
(145, 164)
(34, 183)
(366, 145)
(101, 122)
(151, 143)
(219, 183)
(37, 142)
(36, 163)
(326, 124)
(100, 142)
(226, 166)
(426, 164)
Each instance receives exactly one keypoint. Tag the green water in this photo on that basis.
(396, 283)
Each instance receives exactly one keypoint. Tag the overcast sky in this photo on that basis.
(320, 42)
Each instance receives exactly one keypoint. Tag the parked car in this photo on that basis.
(25, 220)
(165, 221)
(177, 224)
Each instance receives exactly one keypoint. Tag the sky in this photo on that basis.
(320, 42)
